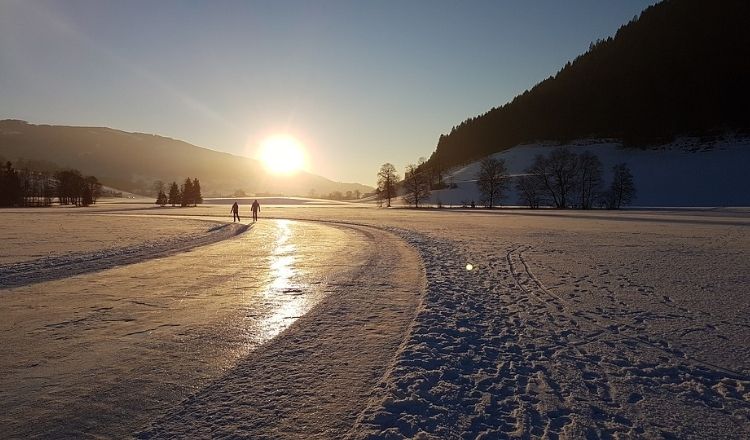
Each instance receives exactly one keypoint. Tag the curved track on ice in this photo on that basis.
(315, 379)
(282, 332)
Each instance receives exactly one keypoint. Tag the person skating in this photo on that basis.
(235, 212)
(256, 209)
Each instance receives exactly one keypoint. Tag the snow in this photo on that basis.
(351, 322)
(137, 240)
(687, 172)
(602, 345)
(33, 235)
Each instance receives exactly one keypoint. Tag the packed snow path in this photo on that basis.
(495, 353)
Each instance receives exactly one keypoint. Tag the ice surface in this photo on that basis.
(101, 353)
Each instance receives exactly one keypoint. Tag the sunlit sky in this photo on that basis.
(357, 83)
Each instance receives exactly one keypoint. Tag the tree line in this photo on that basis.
(415, 188)
(562, 179)
(187, 194)
(337, 195)
(680, 68)
(28, 187)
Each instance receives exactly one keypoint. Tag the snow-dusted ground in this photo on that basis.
(32, 234)
(569, 325)
(687, 172)
(97, 243)
(575, 330)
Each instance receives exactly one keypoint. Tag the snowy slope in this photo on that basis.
(684, 173)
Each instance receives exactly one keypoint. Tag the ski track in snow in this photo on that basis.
(494, 353)
(76, 263)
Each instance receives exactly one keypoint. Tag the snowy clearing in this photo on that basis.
(31, 234)
(152, 245)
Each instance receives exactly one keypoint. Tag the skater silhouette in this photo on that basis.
(235, 212)
(256, 209)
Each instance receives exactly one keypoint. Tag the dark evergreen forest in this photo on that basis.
(681, 68)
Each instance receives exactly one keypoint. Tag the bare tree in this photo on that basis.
(589, 179)
(416, 187)
(558, 174)
(563, 165)
(379, 197)
(540, 169)
(531, 190)
(492, 180)
(622, 190)
(387, 179)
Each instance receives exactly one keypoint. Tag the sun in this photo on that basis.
(282, 154)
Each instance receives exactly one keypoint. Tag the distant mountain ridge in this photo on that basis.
(133, 161)
(680, 68)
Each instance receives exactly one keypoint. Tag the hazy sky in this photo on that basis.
(359, 83)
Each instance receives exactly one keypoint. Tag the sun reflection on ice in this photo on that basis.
(284, 293)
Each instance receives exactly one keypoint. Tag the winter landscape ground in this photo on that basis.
(355, 322)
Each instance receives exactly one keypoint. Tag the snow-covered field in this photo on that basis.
(568, 325)
(687, 172)
(29, 235)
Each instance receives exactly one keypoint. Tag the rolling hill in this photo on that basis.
(133, 161)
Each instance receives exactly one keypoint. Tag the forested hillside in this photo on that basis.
(681, 67)
(133, 161)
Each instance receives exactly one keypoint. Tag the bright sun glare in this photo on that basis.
(282, 154)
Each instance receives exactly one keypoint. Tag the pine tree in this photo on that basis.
(188, 194)
(174, 195)
(10, 187)
(197, 197)
(161, 199)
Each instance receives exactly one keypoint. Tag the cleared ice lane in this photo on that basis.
(102, 354)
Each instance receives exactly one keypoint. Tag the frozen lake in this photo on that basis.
(322, 322)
